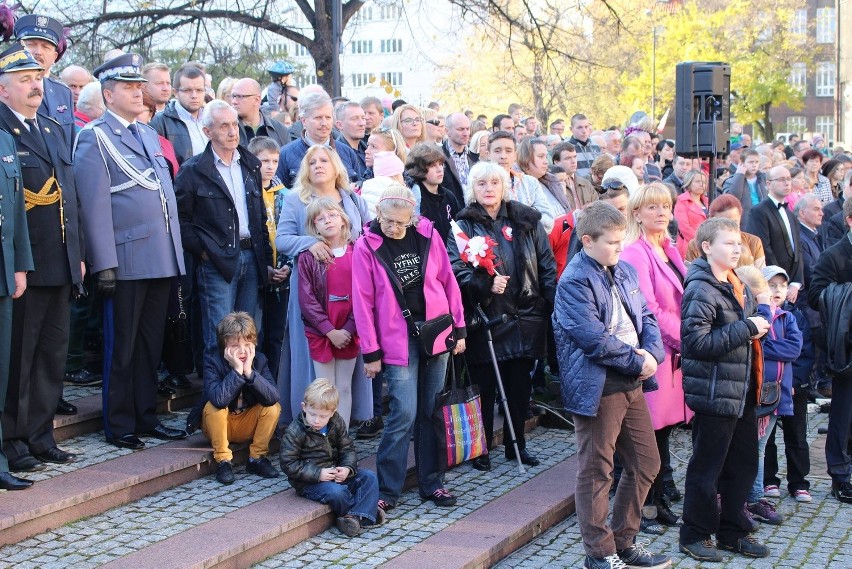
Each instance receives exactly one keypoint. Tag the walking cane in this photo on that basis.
(488, 324)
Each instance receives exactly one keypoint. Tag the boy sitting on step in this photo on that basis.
(319, 459)
(242, 399)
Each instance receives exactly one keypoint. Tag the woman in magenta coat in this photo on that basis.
(661, 272)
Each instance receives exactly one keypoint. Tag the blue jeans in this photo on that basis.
(411, 392)
(756, 492)
(358, 496)
(219, 298)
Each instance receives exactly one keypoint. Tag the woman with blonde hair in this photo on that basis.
(691, 208)
(321, 175)
(408, 119)
(661, 275)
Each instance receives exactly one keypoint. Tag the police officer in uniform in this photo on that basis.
(15, 261)
(40, 317)
(134, 249)
(44, 38)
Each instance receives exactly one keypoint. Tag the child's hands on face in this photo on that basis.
(249, 359)
(232, 359)
(328, 474)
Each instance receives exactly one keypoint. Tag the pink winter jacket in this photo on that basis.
(378, 317)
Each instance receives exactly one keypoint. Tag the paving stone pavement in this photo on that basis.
(818, 534)
(92, 448)
(413, 520)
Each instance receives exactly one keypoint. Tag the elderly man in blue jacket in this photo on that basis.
(608, 345)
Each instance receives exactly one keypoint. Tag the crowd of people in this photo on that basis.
(301, 242)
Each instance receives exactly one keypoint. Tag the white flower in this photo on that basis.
(477, 247)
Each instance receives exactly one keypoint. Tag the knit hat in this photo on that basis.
(387, 164)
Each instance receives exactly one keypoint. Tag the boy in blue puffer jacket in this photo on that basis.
(608, 345)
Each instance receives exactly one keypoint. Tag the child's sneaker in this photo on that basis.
(772, 491)
(803, 496)
(764, 511)
(349, 525)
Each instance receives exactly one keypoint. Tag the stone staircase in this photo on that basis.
(160, 507)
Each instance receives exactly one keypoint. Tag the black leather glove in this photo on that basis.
(105, 282)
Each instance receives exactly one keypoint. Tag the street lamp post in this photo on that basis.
(654, 75)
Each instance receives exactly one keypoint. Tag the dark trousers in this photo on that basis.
(134, 324)
(80, 310)
(518, 386)
(839, 419)
(5, 342)
(795, 429)
(40, 320)
(274, 324)
(622, 424)
(724, 461)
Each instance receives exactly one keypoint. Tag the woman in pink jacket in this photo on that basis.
(661, 274)
(416, 255)
(690, 211)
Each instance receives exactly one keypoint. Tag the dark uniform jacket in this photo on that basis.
(14, 237)
(208, 217)
(42, 157)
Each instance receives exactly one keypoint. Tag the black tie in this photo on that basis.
(35, 131)
(782, 204)
(136, 134)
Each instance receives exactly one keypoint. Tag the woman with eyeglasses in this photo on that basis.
(649, 248)
(320, 175)
(523, 289)
(691, 208)
(408, 119)
(398, 246)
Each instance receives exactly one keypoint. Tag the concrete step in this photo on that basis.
(252, 533)
(89, 416)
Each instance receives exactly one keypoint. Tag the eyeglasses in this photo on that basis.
(327, 217)
(434, 122)
(392, 223)
(778, 286)
(612, 184)
(239, 97)
(387, 131)
(411, 121)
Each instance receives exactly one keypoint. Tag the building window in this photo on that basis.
(365, 14)
(303, 80)
(799, 25)
(394, 78)
(360, 79)
(825, 127)
(825, 25)
(797, 125)
(799, 77)
(825, 76)
(300, 51)
(391, 46)
(390, 12)
(362, 46)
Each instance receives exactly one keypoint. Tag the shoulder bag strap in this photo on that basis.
(397, 290)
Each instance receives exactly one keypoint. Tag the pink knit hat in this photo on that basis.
(387, 164)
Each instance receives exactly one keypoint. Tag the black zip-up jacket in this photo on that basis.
(716, 343)
(208, 217)
(526, 257)
(168, 124)
(305, 452)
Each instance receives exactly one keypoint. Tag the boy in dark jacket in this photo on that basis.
(319, 459)
(242, 399)
(722, 376)
(608, 344)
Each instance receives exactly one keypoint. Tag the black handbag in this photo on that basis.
(177, 345)
(437, 335)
